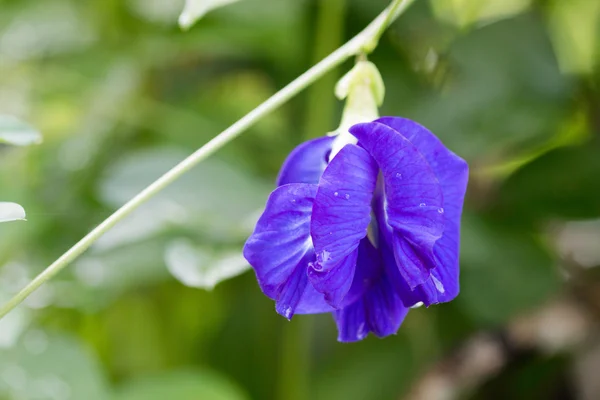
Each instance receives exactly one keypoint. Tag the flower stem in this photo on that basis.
(351, 48)
(393, 12)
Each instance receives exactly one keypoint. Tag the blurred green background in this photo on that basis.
(121, 94)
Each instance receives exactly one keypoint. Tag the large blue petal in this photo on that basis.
(452, 173)
(280, 250)
(306, 163)
(414, 200)
(340, 218)
(379, 309)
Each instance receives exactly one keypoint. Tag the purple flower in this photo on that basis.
(367, 235)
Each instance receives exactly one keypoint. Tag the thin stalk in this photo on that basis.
(394, 10)
(351, 48)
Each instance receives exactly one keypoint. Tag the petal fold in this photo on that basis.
(452, 172)
(413, 199)
(379, 309)
(280, 250)
(306, 163)
(340, 218)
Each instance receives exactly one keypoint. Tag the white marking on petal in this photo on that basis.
(438, 285)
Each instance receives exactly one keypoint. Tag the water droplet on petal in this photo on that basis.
(287, 312)
(347, 196)
(441, 210)
(438, 285)
(336, 194)
(361, 333)
(417, 304)
(321, 258)
(398, 175)
(293, 200)
(422, 205)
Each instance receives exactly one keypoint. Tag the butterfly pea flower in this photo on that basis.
(366, 234)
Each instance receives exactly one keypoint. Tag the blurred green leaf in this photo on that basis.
(503, 93)
(202, 267)
(43, 366)
(214, 196)
(106, 274)
(34, 30)
(181, 385)
(12, 325)
(347, 373)
(573, 131)
(562, 183)
(14, 131)
(196, 9)
(164, 12)
(11, 212)
(466, 12)
(143, 348)
(575, 32)
(503, 272)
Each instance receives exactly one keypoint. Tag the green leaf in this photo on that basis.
(11, 212)
(214, 197)
(43, 366)
(13, 324)
(52, 28)
(196, 9)
(562, 183)
(107, 273)
(504, 272)
(463, 13)
(181, 385)
(575, 33)
(504, 93)
(202, 268)
(16, 132)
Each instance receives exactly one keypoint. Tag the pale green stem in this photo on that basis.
(369, 35)
(393, 12)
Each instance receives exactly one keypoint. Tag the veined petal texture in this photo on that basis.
(280, 250)
(413, 199)
(340, 218)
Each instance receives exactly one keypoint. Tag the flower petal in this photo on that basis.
(414, 200)
(340, 218)
(280, 250)
(453, 173)
(306, 163)
(379, 309)
(426, 292)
